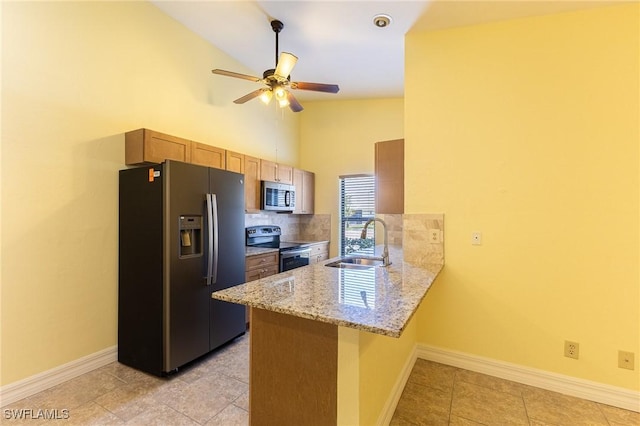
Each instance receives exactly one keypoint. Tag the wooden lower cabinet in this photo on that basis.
(260, 266)
(319, 252)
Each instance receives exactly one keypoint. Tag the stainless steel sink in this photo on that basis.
(356, 262)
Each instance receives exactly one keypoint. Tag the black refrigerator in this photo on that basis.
(181, 237)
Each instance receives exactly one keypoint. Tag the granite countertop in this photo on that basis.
(378, 300)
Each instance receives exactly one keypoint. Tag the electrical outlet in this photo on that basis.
(571, 349)
(626, 360)
(435, 235)
(476, 238)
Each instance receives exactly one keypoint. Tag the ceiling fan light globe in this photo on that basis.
(286, 62)
(283, 102)
(266, 96)
(280, 93)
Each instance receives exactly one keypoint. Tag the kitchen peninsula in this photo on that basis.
(306, 332)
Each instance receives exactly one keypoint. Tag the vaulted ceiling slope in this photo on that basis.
(336, 41)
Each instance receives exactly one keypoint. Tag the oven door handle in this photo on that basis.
(295, 252)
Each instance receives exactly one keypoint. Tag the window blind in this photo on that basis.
(357, 205)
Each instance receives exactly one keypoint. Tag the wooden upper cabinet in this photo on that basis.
(145, 146)
(304, 183)
(285, 174)
(275, 172)
(252, 184)
(207, 155)
(235, 162)
(268, 170)
(389, 168)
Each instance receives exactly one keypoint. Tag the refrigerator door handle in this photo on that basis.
(210, 238)
(214, 267)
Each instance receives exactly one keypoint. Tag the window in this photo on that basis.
(357, 205)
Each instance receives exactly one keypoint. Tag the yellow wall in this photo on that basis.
(382, 360)
(337, 138)
(76, 76)
(528, 131)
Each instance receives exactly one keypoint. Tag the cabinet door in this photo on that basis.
(319, 252)
(389, 167)
(144, 146)
(207, 155)
(284, 174)
(261, 261)
(298, 182)
(251, 184)
(304, 183)
(308, 192)
(268, 170)
(235, 162)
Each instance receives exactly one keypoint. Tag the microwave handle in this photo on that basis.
(287, 198)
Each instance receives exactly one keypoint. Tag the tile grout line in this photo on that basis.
(453, 386)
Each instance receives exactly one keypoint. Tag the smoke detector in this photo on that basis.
(381, 20)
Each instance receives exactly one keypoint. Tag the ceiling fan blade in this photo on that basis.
(236, 75)
(293, 103)
(316, 87)
(286, 62)
(249, 96)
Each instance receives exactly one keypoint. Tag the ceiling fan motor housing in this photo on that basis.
(277, 26)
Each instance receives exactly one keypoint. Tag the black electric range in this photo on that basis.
(292, 254)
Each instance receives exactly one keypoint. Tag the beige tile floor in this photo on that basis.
(214, 391)
(438, 394)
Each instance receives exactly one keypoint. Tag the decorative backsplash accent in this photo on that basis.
(418, 246)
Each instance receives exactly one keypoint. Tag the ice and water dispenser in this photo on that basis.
(190, 236)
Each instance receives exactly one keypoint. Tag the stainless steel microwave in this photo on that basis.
(278, 197)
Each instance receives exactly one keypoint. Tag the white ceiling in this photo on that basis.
(336, 41)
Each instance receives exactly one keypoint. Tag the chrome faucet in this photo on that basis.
(385, 251)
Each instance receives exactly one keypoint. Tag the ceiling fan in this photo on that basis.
(277, 80)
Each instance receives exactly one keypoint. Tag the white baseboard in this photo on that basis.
(396, 392)
(42, 381)
(585, 389)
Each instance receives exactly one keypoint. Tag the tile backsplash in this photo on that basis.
(411, 231)
(315, 227)
(394, 228)
(418, 246)
(294, 227)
